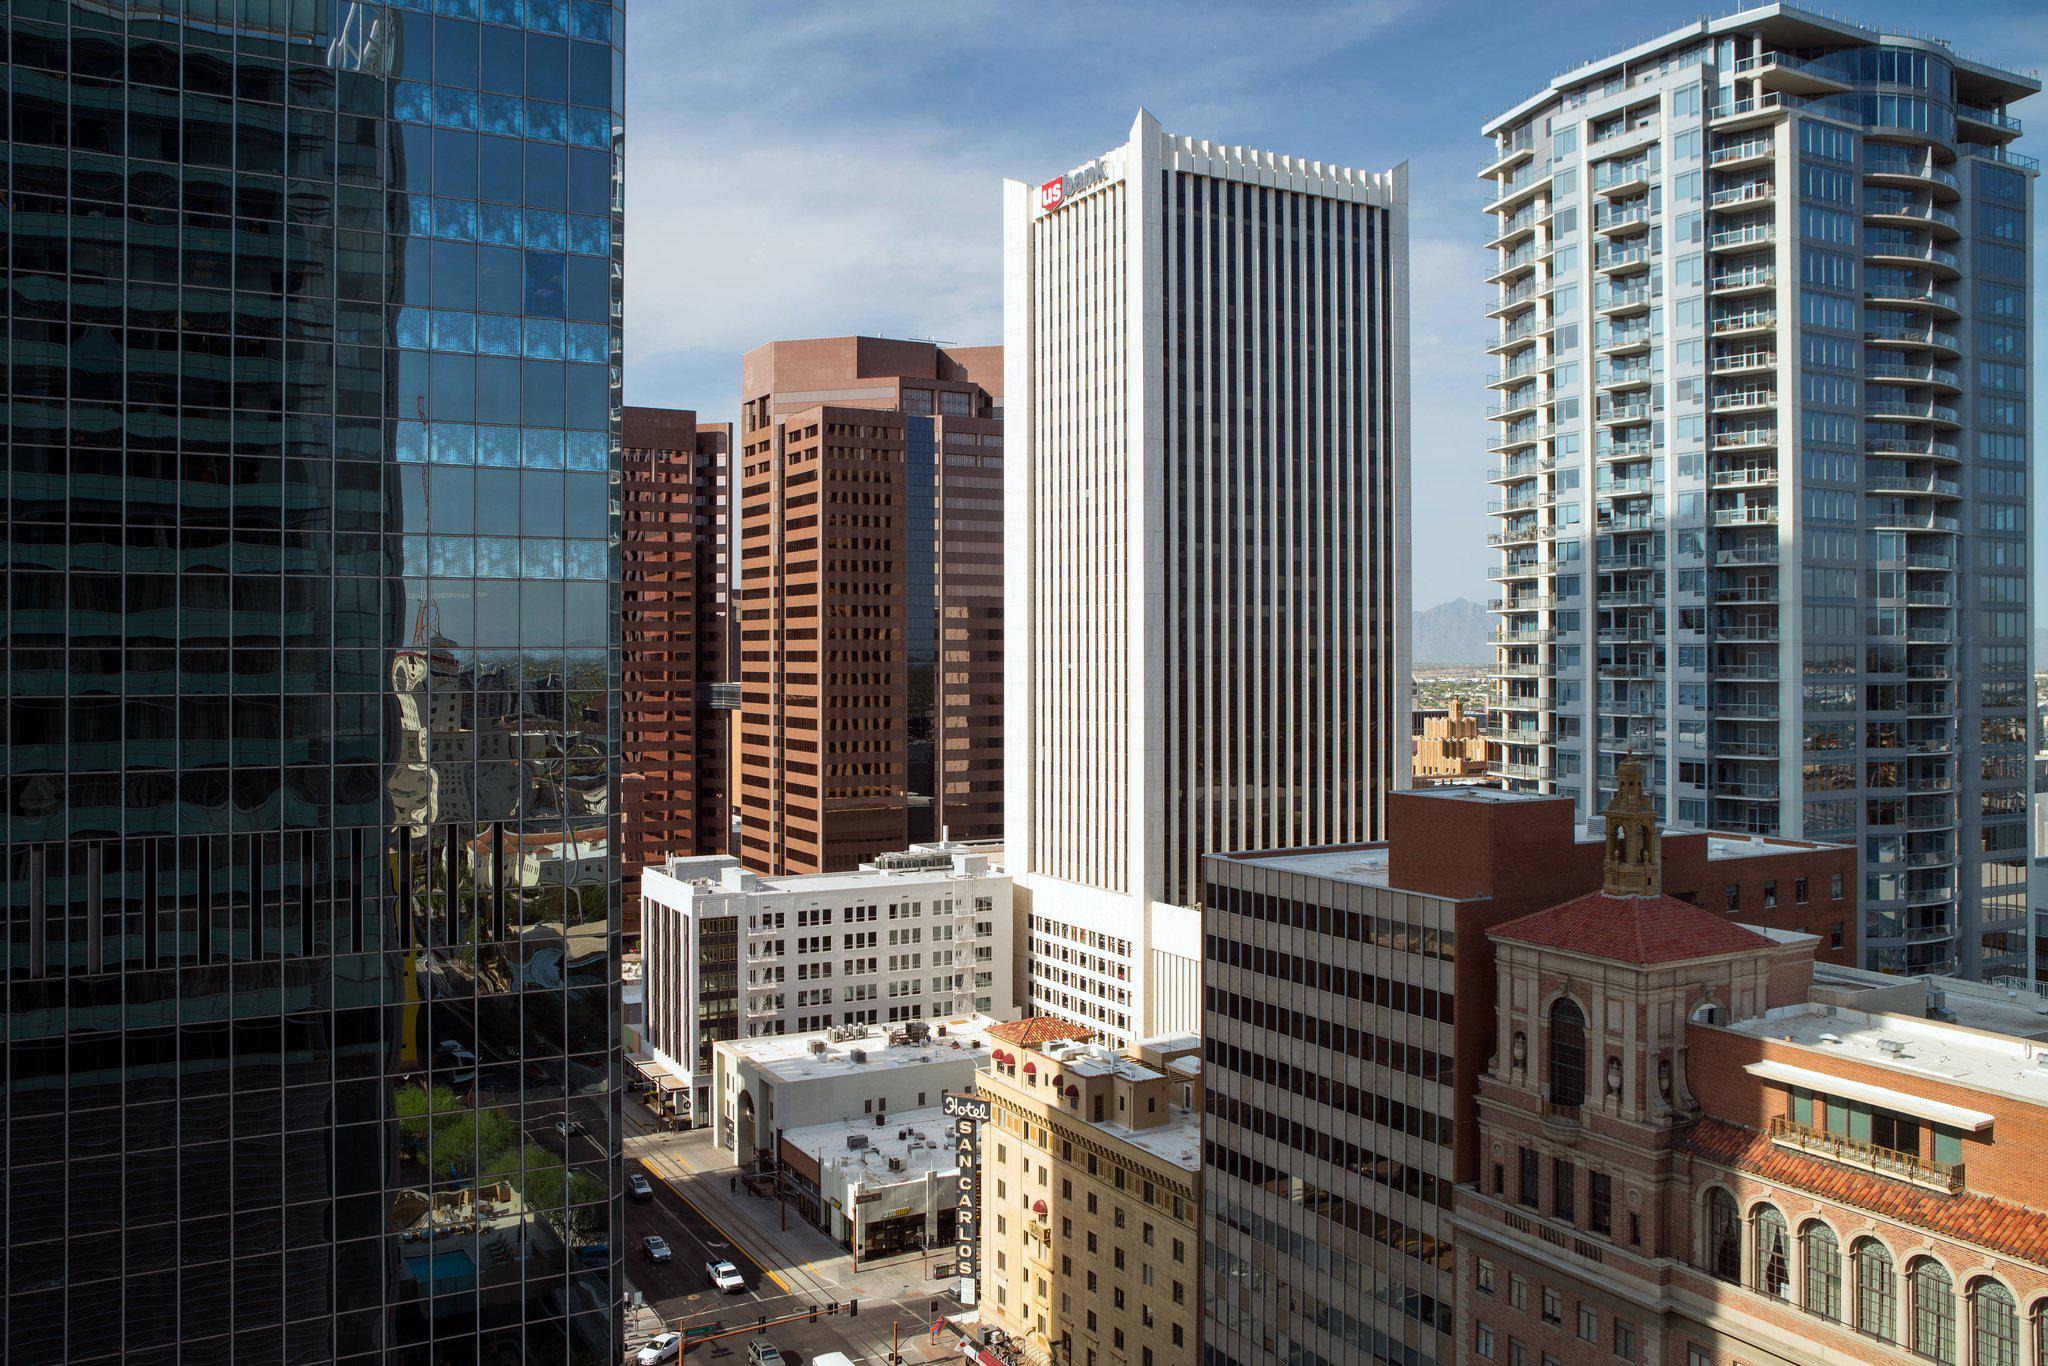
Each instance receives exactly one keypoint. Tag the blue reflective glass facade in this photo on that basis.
(311, 684)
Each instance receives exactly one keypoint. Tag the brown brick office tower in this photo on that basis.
(869, 599)
(676, 629)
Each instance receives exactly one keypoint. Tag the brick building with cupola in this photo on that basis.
(1347, 1018)
(1697, 1146)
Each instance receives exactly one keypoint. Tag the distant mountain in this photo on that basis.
(1452, 633)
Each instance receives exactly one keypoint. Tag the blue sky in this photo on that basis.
(809, 169)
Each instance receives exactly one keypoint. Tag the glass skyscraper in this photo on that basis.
(1762, 455)
(311, 392)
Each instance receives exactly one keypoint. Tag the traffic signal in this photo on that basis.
(814, 1313)
(832, 1306)
(853, 1309)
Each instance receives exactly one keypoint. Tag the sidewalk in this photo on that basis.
(799, 1258)
(642, 1324)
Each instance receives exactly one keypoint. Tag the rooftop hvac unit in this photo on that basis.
(895, 1164)
(882, 1121)
(856, 1141)
(857, 1054)
(817, 1046)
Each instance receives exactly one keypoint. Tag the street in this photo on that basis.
(897, 1295)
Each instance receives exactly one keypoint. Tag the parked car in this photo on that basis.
(656, 1247)
(662, 1347)
(725, 1277)
(762, 1352)
(638, 1186)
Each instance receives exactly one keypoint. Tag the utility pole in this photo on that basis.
(895, 1344)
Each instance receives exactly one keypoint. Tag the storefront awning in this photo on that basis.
(659, 1075)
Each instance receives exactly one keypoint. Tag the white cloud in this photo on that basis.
(731, 247)
(808, 170)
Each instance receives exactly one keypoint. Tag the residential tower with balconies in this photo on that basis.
(1760, 453)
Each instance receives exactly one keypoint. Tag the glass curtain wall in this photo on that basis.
(311, 398)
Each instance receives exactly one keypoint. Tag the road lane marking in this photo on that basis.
(677, 1192)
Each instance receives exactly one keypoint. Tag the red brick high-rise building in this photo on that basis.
(869, 599)
(675, 641)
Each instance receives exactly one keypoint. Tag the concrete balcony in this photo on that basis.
(1748, 321)
(1747, 360)
(1508, 154)
(1750, 151)
(1635, 257)
(1749, 279)
(1749, 192)
(1750, 237)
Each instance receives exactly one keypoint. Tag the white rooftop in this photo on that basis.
(1932, 1050)
(916, 1138)
(1994, 1007)
(1746, 846)
(788, 1057)
(1366, 865)
(706, 873)
(1487, 796)
(1179, 1140)
(1172, 1043)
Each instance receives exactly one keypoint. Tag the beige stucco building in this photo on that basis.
(1089, 1200)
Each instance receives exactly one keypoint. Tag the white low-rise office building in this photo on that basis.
(729, 954)
(763, 1090)
(878, 1189)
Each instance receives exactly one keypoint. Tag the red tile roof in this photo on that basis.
(1037, 1030)
(1980, 1220)
(1632, 929)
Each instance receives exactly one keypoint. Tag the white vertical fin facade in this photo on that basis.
(1208, 579)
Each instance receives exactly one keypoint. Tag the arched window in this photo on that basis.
(1822, 1256)
(1567, 1053)
(1934, 1310)
(1771, 1253)
(2040, 1332)
(1994, 1325)
(1875, 1291)
(1724, 1236)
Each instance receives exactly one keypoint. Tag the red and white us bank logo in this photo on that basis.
(1049, 194)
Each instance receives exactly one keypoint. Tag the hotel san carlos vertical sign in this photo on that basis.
(965, 1115)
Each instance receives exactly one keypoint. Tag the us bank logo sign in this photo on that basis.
(1060, 189)
(964, 1117)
